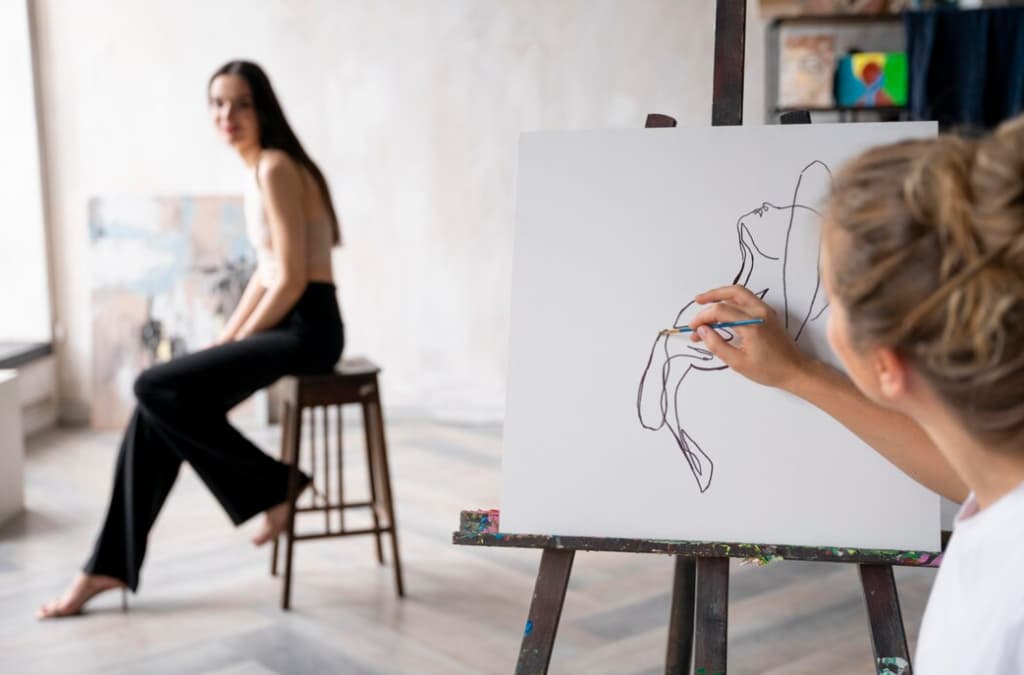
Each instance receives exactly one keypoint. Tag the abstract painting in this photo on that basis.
(166, 274)
(872, 79)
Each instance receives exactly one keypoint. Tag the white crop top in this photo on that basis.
(319, 235)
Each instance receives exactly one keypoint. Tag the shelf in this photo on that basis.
(853, 19)
(17, 354)
(860, 108)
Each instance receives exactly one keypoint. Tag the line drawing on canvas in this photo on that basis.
(768, 236)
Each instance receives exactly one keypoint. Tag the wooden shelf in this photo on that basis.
(859, 108)
(17, 354)
(853, 19)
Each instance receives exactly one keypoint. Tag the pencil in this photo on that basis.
(723, 324)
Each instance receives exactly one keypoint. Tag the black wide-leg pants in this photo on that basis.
(182, 416)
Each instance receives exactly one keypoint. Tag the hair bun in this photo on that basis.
(938, 190)
(998, 184)
(932, 264)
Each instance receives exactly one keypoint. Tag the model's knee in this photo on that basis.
(151, 389)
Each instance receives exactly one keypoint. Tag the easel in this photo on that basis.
(698, 620)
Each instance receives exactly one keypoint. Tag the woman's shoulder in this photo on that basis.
(275, 165)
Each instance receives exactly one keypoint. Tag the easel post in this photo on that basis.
(709, 628)
(681, 618)
(730, 41)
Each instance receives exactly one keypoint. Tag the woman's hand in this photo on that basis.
(766, 353)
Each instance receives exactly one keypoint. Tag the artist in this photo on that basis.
(923, 265)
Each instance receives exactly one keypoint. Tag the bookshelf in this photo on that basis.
(865, 32)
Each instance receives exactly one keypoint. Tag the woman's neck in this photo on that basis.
(989, 472)
(250, 155)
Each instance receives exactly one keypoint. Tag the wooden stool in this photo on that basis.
(353, 383)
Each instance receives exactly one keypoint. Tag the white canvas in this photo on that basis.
(616, 232)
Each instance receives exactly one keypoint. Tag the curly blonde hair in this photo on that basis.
(932, 265)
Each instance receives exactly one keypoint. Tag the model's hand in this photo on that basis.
(766, 353)
(223, 339)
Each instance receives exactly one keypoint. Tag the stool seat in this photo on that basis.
(349, 383)
(354, 382)
(359, 365)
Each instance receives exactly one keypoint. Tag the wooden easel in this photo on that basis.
(698, 619)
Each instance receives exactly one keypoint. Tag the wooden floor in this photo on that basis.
(208, 605)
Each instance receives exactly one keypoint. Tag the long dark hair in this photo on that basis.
(275, 132)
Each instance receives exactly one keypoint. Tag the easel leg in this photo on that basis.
(680, 627)
(712, 615)
(888, 638)
(545, 611)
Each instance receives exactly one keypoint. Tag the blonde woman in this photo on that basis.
(923, 264)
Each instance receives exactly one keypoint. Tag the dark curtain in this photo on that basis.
(966, 68)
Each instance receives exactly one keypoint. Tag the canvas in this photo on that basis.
(166, 274)
(872, 79)
(806, 67)
(616, 430)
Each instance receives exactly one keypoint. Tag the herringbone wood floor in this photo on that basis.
(208, 605)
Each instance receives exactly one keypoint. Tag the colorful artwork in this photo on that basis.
(871, 79)
(806, 65)
(166, 274)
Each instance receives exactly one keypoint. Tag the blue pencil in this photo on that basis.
(723, 324)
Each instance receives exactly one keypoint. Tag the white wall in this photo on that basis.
(412, 108)
(25, 300)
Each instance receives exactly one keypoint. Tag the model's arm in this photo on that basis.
(281, 186)
(254, 290)
(769, 356)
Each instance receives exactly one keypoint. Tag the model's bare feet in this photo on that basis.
(82, 589)
(274, 521)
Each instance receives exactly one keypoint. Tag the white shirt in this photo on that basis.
(975, 617)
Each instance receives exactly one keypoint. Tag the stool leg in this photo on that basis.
(341, 475)
(327, 473)
(294, 441)
(285, 435)
(312, 448)
(368, 430)
(273, 558)
(385, 478)
(371, 461)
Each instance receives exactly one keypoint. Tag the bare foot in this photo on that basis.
(274, 522)
(82, 589)
(275, 519)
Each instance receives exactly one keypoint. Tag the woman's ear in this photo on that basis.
(891, 371)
